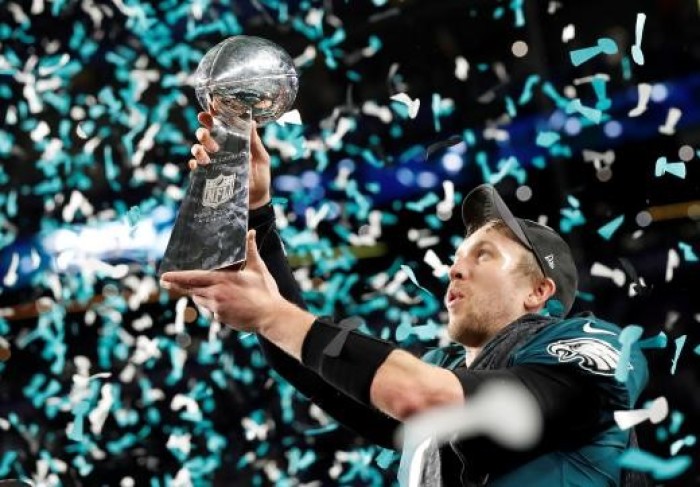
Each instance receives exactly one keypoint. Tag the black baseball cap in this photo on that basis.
(484, 204)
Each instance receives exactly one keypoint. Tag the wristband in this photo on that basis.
(262, 220)
(344, 358)
(261, 216)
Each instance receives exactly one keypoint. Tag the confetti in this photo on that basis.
(680, 342)
(293, 117)
(644, 90)
(506, 412)
(656, 412)
(412, 105)
(628, 337)
(664, 167)
(672, 263)
(607, 230)
(637, 54)
(616, 275)
(605, 45)
(99, 119)
(659, 468)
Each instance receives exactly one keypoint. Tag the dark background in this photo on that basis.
(423, 39)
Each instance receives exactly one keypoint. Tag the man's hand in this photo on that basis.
(246, 300)
(259, 177)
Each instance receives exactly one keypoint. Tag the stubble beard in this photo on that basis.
(474, 326)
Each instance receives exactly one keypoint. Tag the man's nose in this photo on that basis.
(455, 272)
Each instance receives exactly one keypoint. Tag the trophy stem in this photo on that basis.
(212, 223)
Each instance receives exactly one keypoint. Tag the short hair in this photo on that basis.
(528, 265)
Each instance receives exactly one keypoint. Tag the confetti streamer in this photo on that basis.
(628, 337)
(637, 54)
(680, 342)
(672, 118)
(644, 90)
(675, 168)
(605, 45)
(659, 468)
(656, 412)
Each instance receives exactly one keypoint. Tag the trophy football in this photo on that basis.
(241, 79)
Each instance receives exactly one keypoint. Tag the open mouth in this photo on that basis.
(452, 297)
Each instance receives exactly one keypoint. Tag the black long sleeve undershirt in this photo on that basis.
(557, 389)
(368, 422)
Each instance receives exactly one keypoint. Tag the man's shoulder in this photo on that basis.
(584, 326)
(584, 340)
(449, 356)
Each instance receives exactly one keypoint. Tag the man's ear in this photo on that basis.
(540, 293)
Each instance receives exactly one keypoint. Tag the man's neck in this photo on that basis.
(472, 352)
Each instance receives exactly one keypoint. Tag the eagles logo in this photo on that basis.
(591, 354)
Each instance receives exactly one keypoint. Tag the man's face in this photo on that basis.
(486, 289)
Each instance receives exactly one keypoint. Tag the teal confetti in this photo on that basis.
(659, 341)
(510, 107)
(593, 115)
(628, 337)
(588, 297)
(677, 419)
(419, 206)
(626, 67)
(599, 87)
(688, 252)
(605, 45)
(8, 460)
(549, 90)
(526, 94)
(662, 167)
(547, 139)
(659, 468)
(133, 216)
(680, 342)
(517, 7)
(607, 230)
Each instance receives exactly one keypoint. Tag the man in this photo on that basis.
(511, 284)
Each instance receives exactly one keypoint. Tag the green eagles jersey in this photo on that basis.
(589, 348)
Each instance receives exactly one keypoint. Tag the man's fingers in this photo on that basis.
(188, 280)
(257, 149)
(252, 256)
(205, 119)
(203, 302)
(204, 136)
(200, 154)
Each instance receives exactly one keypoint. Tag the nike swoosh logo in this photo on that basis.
(589, 329)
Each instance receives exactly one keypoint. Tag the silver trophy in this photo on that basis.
(242, 78)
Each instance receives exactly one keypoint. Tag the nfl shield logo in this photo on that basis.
(219, 190)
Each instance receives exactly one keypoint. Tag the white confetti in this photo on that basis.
(672, 118)
(461, 68)
(616, 275)
(673, 261)
(10, 278)
(413, 105)
(657, 412)
(568, 33)
(292, 117)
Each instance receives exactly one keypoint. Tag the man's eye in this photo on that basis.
(481, 253)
